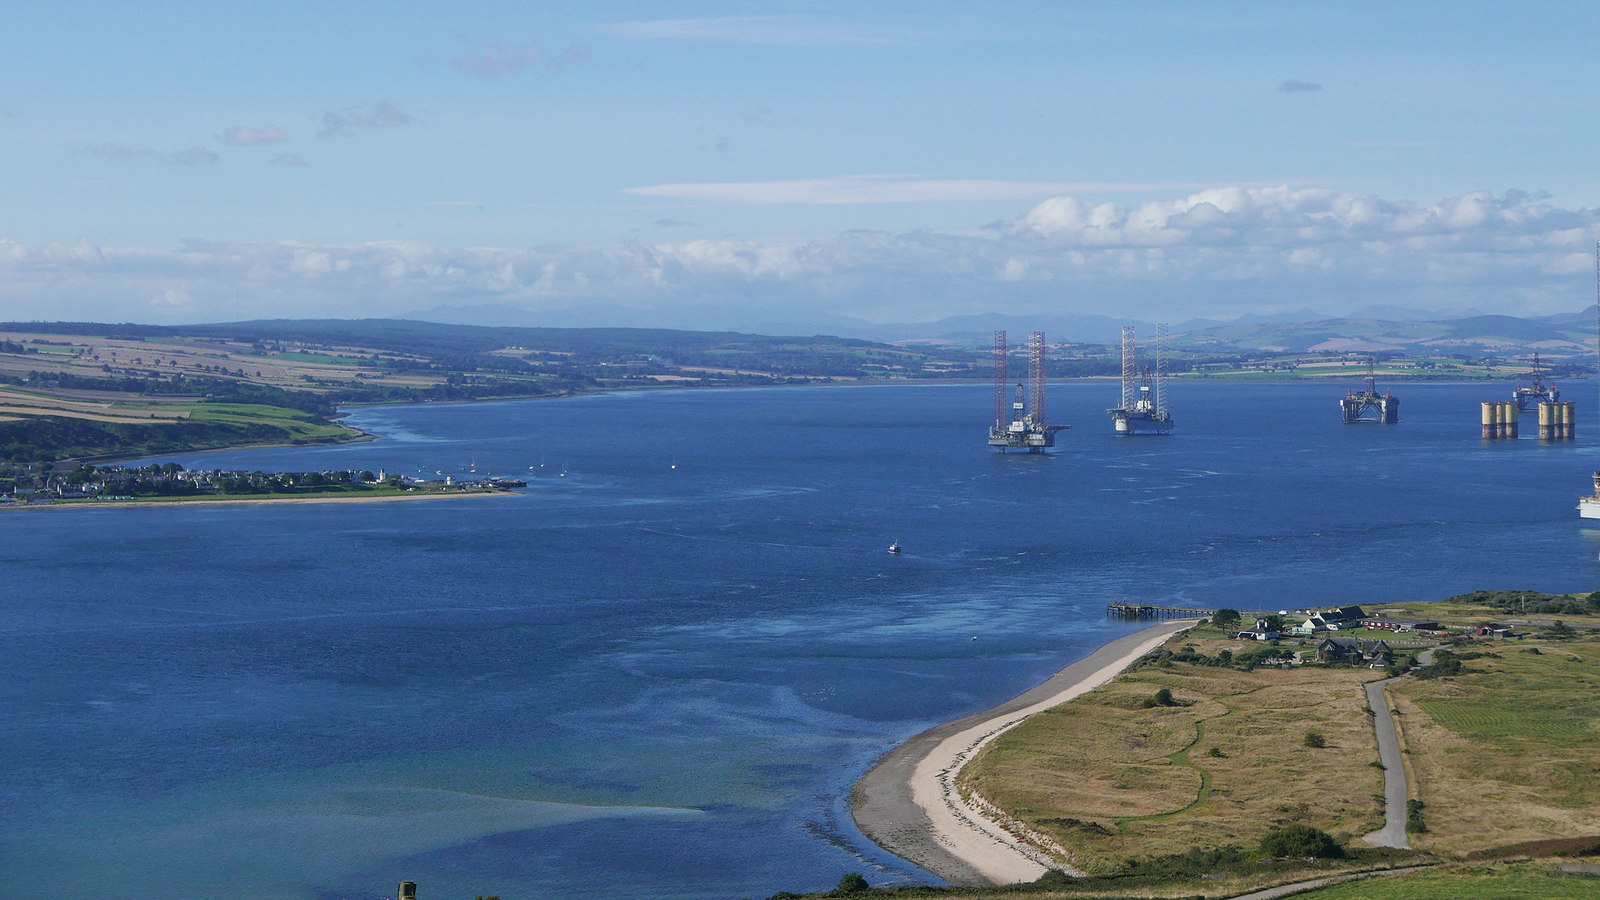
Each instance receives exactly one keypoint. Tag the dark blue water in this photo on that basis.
(651, 681)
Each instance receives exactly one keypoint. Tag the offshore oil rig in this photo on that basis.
(1022, 427)
(1535, 393)
(1144, 398)
(1368, 405)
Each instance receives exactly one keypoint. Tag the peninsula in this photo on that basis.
(1180, 773)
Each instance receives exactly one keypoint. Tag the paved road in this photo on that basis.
(1284, 890)
(1393, 832)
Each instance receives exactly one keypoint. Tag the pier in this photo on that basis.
(1125, 610)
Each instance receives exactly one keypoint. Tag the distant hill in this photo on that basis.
(1556, 337)
(1393, 329)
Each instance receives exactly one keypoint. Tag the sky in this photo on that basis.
(725, 164)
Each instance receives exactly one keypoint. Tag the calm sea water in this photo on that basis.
(641, 680)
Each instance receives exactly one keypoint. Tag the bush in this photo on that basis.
(1315, 740)
(1414, 817)
(1163, 697)
(854, 883)
(1301, 841)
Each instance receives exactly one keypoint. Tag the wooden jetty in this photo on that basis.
(1125, 610)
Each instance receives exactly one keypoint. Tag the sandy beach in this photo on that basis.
(908, 802)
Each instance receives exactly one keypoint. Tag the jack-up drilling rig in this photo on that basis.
(1144, 400)
(1022, 426)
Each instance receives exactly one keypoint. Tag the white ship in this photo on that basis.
(1144, 403)
(1589, 507)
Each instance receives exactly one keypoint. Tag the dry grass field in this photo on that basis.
(19, 404)
(1111, 779)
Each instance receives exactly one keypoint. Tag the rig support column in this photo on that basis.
(1557, 421)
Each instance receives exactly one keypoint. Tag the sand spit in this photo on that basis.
(909, 805)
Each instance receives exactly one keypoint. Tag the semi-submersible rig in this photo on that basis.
(1367, 405)
(1022, 426)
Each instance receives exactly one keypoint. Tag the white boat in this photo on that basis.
(894, 547)
(1589, 507)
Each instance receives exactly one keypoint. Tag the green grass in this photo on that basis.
(1525, 882)
(1483, 720)
(300, 425)
(321, 358)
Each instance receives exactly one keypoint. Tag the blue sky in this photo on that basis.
(729, 164)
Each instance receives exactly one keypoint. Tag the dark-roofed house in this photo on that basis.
(1337, 649)
(1261, 632)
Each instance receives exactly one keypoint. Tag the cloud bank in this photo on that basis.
(1216, 252)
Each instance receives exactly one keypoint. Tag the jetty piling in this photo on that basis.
(1125, 610)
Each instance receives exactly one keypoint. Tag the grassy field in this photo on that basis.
(300, 426)
(1519, 881)
(1114, 780)
(1503, 753)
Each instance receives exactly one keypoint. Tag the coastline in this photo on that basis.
(908, 803)
(258, 501)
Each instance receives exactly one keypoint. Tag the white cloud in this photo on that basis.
(1216, 252)
(345, 122)
(246, 136)
(291, 160)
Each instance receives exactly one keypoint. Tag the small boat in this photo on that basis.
(894, 547)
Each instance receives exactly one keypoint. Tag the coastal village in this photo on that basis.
(40, 484)
(1450, 720)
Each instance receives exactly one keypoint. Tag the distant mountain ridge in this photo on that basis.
(1385, 329)
(1560, 336)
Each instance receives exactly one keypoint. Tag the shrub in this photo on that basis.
(1414, 816)
(1315, 739)
(1301, 841)
(1163, 697)
(853, 883)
